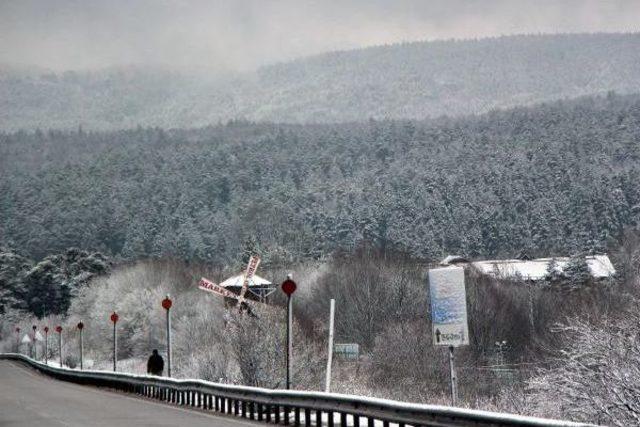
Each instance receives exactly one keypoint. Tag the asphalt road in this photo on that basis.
(28, 398)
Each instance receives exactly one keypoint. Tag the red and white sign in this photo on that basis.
(252, 266)
(209, 286)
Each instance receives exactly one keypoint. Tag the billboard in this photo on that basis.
(448, 306)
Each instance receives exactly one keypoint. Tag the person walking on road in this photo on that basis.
(155, 365)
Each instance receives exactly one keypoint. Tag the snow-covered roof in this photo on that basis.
(453, 259)
(536, 269)
(236, 281)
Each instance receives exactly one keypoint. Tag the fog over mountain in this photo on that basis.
(243, 34)
(410, 80)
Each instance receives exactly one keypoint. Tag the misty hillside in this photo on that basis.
(551, 179)
(408, 81)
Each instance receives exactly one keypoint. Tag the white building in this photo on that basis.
(258, 286)
(600, 266)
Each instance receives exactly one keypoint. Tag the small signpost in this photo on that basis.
(17, 339)
(166, 304)
(114, 320)
(449, 315)
(80, 328)
(289, 287)
(350, 351)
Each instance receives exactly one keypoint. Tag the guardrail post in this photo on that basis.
(307, 417)
(286, 415)
(296, 417)
(318, 418)
(343, 419)
(276, 413)
(330, 419)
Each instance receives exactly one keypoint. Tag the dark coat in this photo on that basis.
(155, 365)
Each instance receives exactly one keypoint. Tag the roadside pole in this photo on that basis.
(46, 345)
(289, 287)
(114, 320)
(59, 331)
(332, 309)
(166, 304)
(80, 328)
(34, 348)
(17, 340)
(454, 378)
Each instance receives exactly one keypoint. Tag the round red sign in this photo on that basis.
(18, 330)
(114, 317)
(80, 325)
(34, 327)
(46, 329)
(167, 303)
(58, 329)
(288, 287)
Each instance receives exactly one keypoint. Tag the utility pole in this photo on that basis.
(332, 309)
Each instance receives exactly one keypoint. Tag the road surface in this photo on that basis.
(28, 398)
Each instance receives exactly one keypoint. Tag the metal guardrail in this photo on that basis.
(296, 408)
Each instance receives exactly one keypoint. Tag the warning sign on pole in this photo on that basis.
(448, 306)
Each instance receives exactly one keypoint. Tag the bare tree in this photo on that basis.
(597, 377)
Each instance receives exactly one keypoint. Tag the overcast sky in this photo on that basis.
(243, 34)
